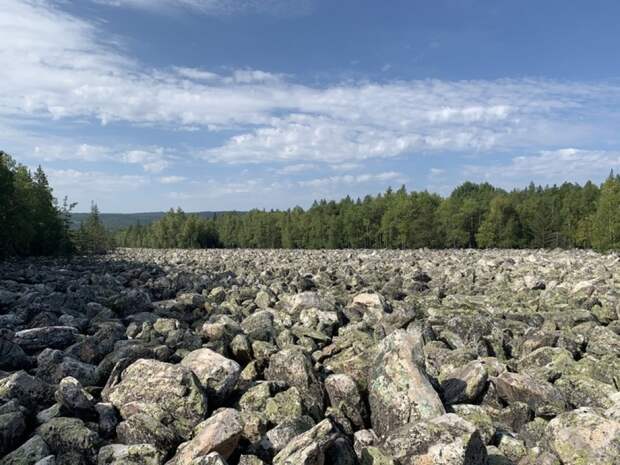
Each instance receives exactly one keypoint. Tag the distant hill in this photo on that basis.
(116, 221)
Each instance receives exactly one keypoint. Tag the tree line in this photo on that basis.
(32, 222)
(472, 216)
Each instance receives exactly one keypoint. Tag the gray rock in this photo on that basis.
(443, 440)
(308, 448)
(29, 453)
(217, 374)
(398, 390)
(583, 436)
(74, 399)
(135, 454)
(148, 385)
(294, 368)
(220, 434)
(540, 396)
(52, 337)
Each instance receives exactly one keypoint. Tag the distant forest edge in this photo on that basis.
(473, 215)
(116, 221)
(32, 222)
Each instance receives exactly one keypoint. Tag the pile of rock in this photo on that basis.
(311, 357)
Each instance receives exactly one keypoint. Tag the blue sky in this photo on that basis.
(142, 105)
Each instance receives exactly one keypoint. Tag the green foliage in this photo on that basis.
(31, 221)
(175, 229)
(606, 220)
(92, 238)
(474, 215)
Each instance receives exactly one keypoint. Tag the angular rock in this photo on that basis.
(308, 448)
(29, 453)
(52, 337)
(172, 388)
(443, 440)
(135, 454)
(398, 390)
(540, 396)
(294, 368)
(217, 374)
(220, 433)
(583, 436)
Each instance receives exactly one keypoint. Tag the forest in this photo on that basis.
(33, 223)
(472, 216)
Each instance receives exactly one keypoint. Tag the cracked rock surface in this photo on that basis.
(358, 357)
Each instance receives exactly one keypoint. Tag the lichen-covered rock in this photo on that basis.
(308, 448)
(216, 373)
(278, 437)
(220, 433)
(135, 454)
(443, 440)
(28, 453)
(344, 395)
(540, 396)
(70, 440)
(28, 390)
(50, 337)
(284, 405)
(12, 428)
(399, 391)
(74, 399)
(464, 384)
(174, 389)
(583, 437)
(294, 368)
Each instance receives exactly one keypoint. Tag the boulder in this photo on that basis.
(583, 436)
(220, 433)
(308, 448)
(443, 440)
(173, 389)
(135, 454)
(29, 453)
(542, 397)
(217, 374)
(399, 391)
(295, 369)
(52, 337)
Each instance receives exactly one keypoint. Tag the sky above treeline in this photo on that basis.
(142, 105)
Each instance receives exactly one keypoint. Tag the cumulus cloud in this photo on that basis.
(349, 179)
(551, 166)
(58, 66)
(69, 181)
(172, 179)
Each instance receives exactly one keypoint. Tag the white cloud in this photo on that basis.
(56, 66)
(551, 166)
(221, 7)
(350, 179)
(93, 181)
(172, 179)
(296, 169)
(152, 161)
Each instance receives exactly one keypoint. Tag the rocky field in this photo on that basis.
(311, 358)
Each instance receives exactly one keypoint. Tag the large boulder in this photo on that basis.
(217, 374)
(70, 440)
(583, 436)
(309, 448)
(294, 368)
(220, 434)
(28, 390)
(542, 397)
(134, 454)
(28, 453)
(399, 391)
(444, 440)
(52, 337)
(171, 389)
